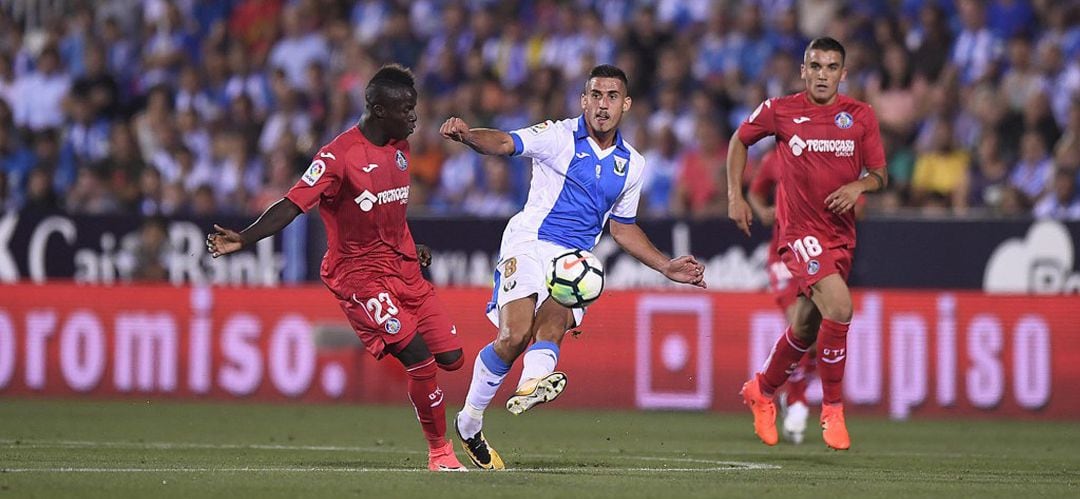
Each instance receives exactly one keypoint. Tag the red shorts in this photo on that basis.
(389, 311)
(806, 273)
(784, 291)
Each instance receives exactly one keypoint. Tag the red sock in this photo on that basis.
(796, 383)
(427, 398)
(782, 361)
(832, 348)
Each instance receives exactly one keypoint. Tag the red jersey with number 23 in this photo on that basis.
(362, 191)
(821, 148)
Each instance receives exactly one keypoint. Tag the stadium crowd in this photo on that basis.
(200, 107)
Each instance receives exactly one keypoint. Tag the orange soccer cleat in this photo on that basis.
(763, 409)
(443, 459)
(833, 427)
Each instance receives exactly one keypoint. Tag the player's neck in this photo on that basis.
(604, 140)
(372, 132)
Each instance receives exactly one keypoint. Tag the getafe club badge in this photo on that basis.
(393, 325)
(402, 163)
(812, 267)
(843, 120)
(620, 166)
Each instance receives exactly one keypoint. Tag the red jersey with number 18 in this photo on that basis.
(821, 148)
(362, 191)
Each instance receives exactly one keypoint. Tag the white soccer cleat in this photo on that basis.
(795, 416)
(536, 391)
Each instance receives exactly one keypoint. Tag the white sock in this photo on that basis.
(488, 373)
(540, 360)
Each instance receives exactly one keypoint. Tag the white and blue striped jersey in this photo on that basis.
(575, 185)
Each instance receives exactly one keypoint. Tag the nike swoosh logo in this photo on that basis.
(833, 361)
(369, 167)
(801, 119)
(327, 155)
(570, 265)
(582, 155)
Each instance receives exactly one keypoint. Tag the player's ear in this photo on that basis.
(843, 74)
(378, 110)
(626, 103)
(802, 71)
(582, 101)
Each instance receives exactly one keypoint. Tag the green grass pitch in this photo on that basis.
(51, 448)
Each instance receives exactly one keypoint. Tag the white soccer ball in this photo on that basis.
(575, 278)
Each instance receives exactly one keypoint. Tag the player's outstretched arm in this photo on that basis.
(738, 209)
(632, 239)
(224, 241)
(482, 140)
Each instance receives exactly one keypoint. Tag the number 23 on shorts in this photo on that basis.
(382, 311)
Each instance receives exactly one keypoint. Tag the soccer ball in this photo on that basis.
(575, 278)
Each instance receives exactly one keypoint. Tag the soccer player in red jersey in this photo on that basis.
(764, 197)
(360, 181)
(825, 142)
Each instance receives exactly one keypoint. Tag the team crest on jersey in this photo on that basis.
(314, 172)
(402, 163)
(844, 120)
(812, 267)
(620, 166)
(393, 325)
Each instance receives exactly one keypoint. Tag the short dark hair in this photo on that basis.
(608, 71)
(827, 44)
(387, 79)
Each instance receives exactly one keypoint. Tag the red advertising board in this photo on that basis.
(910, 353)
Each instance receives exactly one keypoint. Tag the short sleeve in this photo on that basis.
(760, 124)
(321, 179)
(541, 141)
(625, 208)
(874, 151)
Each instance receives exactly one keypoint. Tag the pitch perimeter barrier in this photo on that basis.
(911, 353)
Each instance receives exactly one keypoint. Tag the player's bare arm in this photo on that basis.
(738, 208)
(764, 211)
(482, 140)
(845, 198)
(632, 239)
(224, 241)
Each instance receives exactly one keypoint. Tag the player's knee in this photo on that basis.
(805, 331)
(450, 361)
(839, 309)
(422, 370)
(510, 344)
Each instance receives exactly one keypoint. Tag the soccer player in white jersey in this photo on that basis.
(583, 174)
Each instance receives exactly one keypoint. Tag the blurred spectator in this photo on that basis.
(1061, 202)
(96, 85)
(203, 202)
(977, 50)
(701, 191)
(989, 175)
(152, 251)
(494, 198)
(941, 173)
(91, 195)
(40, 195)
(661, 172)
(1031, 174)
(123, 166)
(39, 94)
(300, 46)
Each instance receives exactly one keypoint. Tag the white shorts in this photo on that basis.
(521, 272)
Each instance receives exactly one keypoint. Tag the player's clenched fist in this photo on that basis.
(739, 211)
(454, 128)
